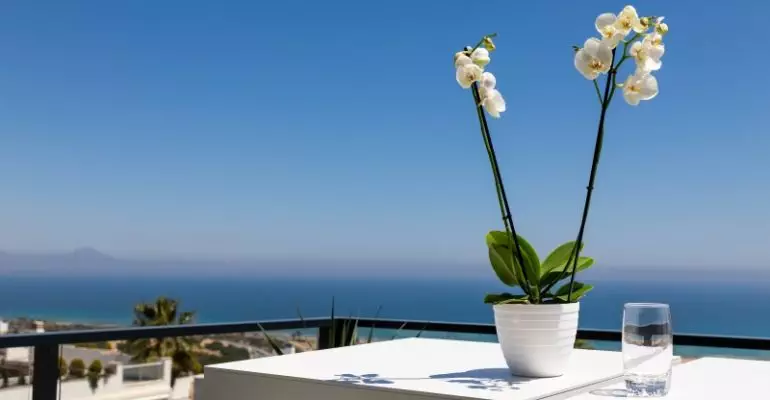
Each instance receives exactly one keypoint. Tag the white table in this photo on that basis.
(423, 369)
(705, 379)
(406, 369)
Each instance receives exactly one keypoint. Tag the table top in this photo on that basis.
(439, 368)
(704, 379)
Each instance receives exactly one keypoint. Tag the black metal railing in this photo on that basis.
(46, 345)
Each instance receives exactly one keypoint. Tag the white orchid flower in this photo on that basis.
(654, 44)
(628, 19)
(593, 59)
(661, 28)
(640, 86)
(647, 53)
(467, 74)
(605, 24)
(493, 102)
(480, 57)
(488, 81)
(461, 59)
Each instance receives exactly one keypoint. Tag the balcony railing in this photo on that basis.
(46, 345)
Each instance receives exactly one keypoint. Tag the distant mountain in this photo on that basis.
(89, 262)
(82, 260)
(90, 253)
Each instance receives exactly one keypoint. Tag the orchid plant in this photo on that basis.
(599, 57)
(513, 259)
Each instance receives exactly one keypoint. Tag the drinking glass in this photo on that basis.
(648, 349)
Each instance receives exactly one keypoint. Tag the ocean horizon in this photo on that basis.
(704, 307)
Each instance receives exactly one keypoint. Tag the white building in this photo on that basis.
(151, 381)
(88, 355)
(17, 354)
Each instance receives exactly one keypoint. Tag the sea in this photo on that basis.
(712, 308)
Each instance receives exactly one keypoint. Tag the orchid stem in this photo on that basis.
(594, 166)
(598, 93)
(502, 198)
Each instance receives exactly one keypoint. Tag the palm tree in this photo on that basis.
(181, 350)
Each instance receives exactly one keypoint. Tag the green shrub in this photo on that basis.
(216, 346)
(584, 344)
(62, 367)
(77, 368)
(94, 371)
(95, 367)
(94, 345)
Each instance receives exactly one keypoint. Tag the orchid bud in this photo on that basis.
(489, 44)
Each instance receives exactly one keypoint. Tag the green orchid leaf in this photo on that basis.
(579, 290)
(491, 298)
(558, 257)
(531, 261)
(585, 263)
(502, 258)
(499, 257)
(527, 249)
(557, 274)
(506, 298)
(502, 243)
(497, 238)
(517, 269)
(531, 271)
(551, 278)
(515, 301)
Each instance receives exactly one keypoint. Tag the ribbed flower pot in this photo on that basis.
(537, 339)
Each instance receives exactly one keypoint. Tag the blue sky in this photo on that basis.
(335, 130)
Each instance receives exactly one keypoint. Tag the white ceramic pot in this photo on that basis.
(537, 339)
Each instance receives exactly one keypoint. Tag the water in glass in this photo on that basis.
(648, 349)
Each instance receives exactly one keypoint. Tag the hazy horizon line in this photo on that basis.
(241, 259)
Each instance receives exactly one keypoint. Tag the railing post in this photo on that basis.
(46, 372)
(332, 335)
